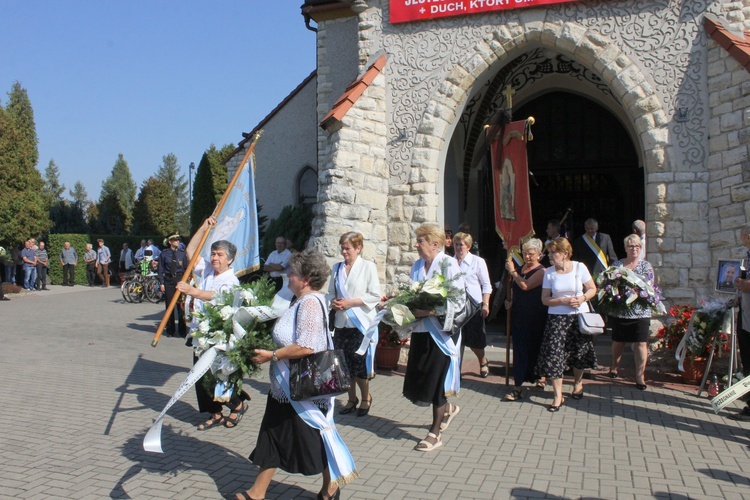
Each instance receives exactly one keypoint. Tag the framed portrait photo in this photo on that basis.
(727, 271)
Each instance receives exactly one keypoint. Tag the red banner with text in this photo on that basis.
(403, 11)
(510, 175)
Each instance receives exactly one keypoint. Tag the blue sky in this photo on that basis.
(148, 77)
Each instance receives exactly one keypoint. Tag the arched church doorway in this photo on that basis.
(582, 159)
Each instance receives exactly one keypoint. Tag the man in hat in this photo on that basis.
(172, 263)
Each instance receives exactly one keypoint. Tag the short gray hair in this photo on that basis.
(229, 247)
(311, 264)
(639, 227)
(534, 243)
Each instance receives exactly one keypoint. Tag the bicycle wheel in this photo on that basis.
(124, 290)
(135, 291)
(153, 290)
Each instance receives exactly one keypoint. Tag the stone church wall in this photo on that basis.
(729, 143)
(652, 55)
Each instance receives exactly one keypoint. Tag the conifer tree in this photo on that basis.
(117, 199)
(155, 208)
(209, 184)
(53, 190)
(22, 209)
(170, 173)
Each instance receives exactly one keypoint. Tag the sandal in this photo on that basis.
(484, 373)
(243, 496)
(235, 421)
(554, 408)
(214, 422)
(451, 415)
(348, 409)
(541, 383)
(613, 374)
(425, 445)
(514, 395)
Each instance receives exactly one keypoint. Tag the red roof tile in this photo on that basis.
(353, 92)
(738, 47)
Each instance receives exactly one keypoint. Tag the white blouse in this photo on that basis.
(361, 283)
(566, 285)
(309, 332)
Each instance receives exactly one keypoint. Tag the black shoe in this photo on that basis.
(4, 298)
(189, 342)
(641, 387)
(361, 412)
(348, 409)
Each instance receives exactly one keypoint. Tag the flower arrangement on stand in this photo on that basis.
(620, 291)
(236, 339)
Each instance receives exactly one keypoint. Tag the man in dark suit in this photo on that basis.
(172, 264)
(594, 249)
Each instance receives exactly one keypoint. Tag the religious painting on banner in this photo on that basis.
(510, 176)
(403, 11)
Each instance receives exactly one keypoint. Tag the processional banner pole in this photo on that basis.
(196, 256)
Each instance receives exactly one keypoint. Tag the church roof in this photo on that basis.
(738, 47)
(352, 93)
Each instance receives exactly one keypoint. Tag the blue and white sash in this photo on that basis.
(340, 461)
(452, 383)
(361, 321)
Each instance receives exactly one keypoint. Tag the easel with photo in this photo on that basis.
(723, 269)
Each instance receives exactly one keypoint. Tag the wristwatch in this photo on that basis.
(273, 356)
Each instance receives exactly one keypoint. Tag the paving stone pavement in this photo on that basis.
(85, 357)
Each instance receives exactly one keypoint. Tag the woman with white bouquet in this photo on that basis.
(214, 278)
(433, 368)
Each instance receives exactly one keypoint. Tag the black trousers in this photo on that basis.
(205, 397)
(90, 274)
(41, 276)
(69, 274)
(169, 291)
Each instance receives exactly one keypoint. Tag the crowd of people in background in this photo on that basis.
(27, 265)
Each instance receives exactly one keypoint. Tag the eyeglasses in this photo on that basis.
(633, 246)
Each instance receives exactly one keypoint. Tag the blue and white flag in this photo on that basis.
(238, 222)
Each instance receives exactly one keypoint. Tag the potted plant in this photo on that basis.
(389, 347)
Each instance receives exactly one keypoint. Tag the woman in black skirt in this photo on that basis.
(285, 439)
(428, 366)
(354, 291)
(633, 325)
(477, 279)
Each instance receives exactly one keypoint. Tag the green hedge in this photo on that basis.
(55, 243)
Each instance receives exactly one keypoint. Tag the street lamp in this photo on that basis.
(191, 167)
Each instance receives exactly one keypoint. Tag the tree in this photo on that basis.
(210, 184)
(53, 190)
(22, 116)
(79, 194)
(22, 209)
(169, 173)
(117, 199)
(155, 208)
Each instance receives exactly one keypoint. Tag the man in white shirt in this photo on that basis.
(639, 228)
(277, 262)
(155, 252)
(139, 253)
(126, 259)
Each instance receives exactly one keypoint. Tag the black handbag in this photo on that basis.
(319, 374)
(471, 308)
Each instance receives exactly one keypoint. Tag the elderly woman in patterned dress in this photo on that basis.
(633, 325)
(567, 286)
